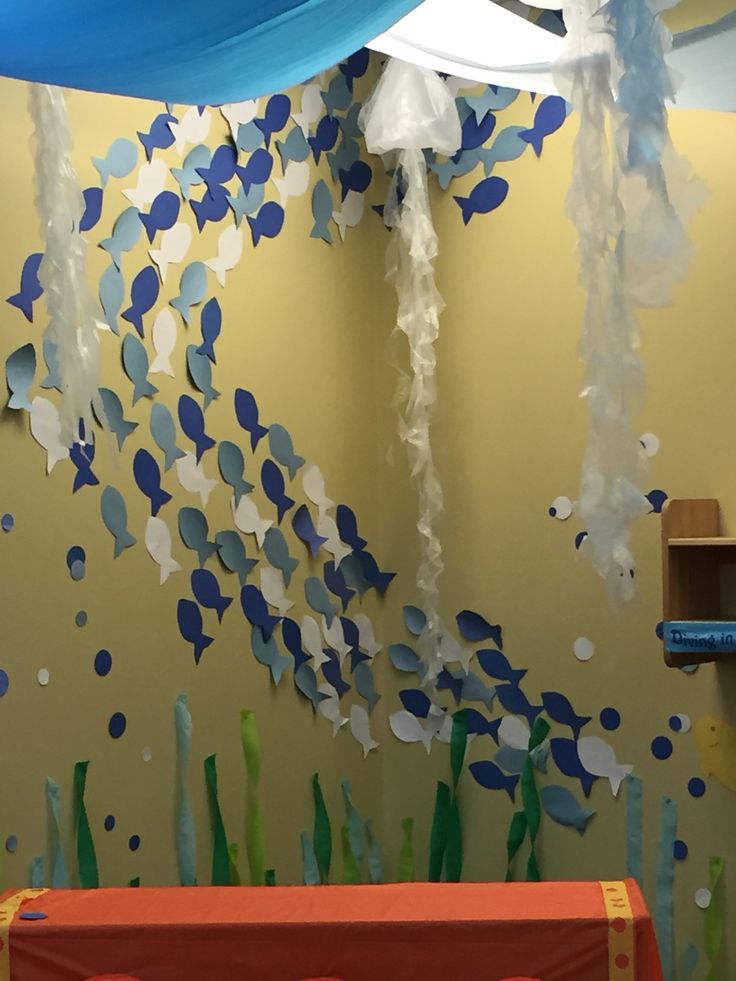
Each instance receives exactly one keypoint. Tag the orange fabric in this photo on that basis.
(397, 932)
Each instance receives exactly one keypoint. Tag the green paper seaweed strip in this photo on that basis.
(270, 877)
(322, 832)
(232, 854)
(86, 857)
(350, 871)
(407, 863)
(633, 827)
(458, 745)
(38, 872)
(310, 869)
(454, 846)
(135, 883)
(438, 835)
(664, 904)
(186, 845)
(528, 821)
(220, 853)
(254, 837)
(355, 822)
(57, 862)
(375, 854)
(514, 841)
(714, 918)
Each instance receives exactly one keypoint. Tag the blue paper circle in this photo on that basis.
(33, 914)
(109, 822)
(610, 719)
(77, 570)
(75, 554)
(675, 723)
(7, 522)
(696, 787)
(81, 618)
(116, 725)
(11, 844)
(134, 842)
(4, 682)
(659, 630)
(679, 849)
(103, 663)
(552, 512)
(580, 538)
(661, 748)
(690, 668)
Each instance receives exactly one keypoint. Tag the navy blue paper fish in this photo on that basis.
(163, 214)
(550, 115)
(332, 673)
(292, 636)
(347, 526)
(515, 701)
(491, 777)
(484, 198)
(496, 665)
(148, 478)
(349, 124)
(416, 701)
(560, 710)
(567, 760)
(206, 589)
(380, 580)
(355, 66)
(159, 136)
(352, 569)
(343, 159)
(220, 169)
(477, 724)
(474, 133)
(338, 95)
(210, 325)
(257, 170)
(356, 178)
(274, 488)
(82, 456)
(143, 294)
(92, 208)
(246, 411)
(30, 287)
(256, 610)
(189, 618)
(267, 223)
(325, 136)
(213, 207)
(276, 116)
(191, 420)
(335, 582)
(301, 522)
(449, 681)
(474, 627)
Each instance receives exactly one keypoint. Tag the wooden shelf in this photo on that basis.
(702, 542)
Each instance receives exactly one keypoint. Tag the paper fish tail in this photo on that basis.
(200, 646)
(158, 499)
(254, 229)
(256, 435)
(466, 207)
(149, 223)
(84, 478)
(149, 144)
(509, 786)
(199, 214)
(535, 138)
(123, 540)
(100, 165)
(294, 464)
(168, 565)
(23, 304)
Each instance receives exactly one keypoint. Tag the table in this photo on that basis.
(553, 931)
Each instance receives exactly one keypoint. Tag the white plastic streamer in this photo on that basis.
(412, 109)
(72, 310)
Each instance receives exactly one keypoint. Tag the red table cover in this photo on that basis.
(555, 931)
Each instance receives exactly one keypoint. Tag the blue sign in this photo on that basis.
(700, 636)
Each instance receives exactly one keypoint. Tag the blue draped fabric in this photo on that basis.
(198, 52)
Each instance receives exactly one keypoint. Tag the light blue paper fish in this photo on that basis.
(267, 652)
(135, 363)
(507, 146)
(186, 176)
(232, 464)
(448, 170)
(305, 680)
(249, 137)
(20, 369)
(194, 530)
(115, 518)
(119, 160)
(474, 690)
(282, 449)
(248, 203)
(294, 147)
(338, 95)
(349, 122)
(276, 550)
(192, 288)
(112, 294)
(200, 372)
(163, 430)
(560, 804)
(343, 158)
(490, 101)
(125, 234)
(318, 598)
(232, 554)
(114, 414)
(365, 684)
(322, 208)
(50, 356)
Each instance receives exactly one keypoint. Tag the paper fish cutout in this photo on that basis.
(272, 481)
(257, 170)
(276, 550)
(331, 671)
(292, 637)
(163, 214)
(716, 742)
(207, 593)
(189, 618)
(188, 176)
(114, 414)
(356, 178)
(409, 729)
(237, 113)
(192, 477)
(365, 684)
(212, 207)
(151, 181)
(246, 411)
(349, 123)
(491, 99)
(231, 463)
(360, 729)
(194, 530)
(318, 598)
(229, 251)
(111, 293)
(474, 690)
(507, 146)
(231, 550)
(295, 181)
(20, 369)
(514, 732)
(347, 525)
(163, 431)
(143, 295)
(272, 587)
(311, 108)
(193, 127)
(249, 521)
(210, 326)
(148, 478)
(496, 665)
(338, 95)
(305, 681)
(355, 66)
(514, 700)
(324, 138)
(474, 627)
(276, 116)
(352, 211)
(159, 136)
(119, 160)
(354, 576)
(158, 543)
(30, 287)
(334, 636)
(414, 620)
(46, 430)
(457, 166)
(559, 709)
(82, 455)
(550, 115)
(282, 449)
(244, 203)
(380, 581)
(335, 582)
(329, 707)
(256, 610)
(562, 807)
(115, 519)
(478, 725)
(343, 158)
(368, 642)
(312, 641)
(327, 529)
(294, 149)
(352, 638)
(514, 760)
(92, 208)
(266, 652)
(125, 234)
(490, 776)
(192, 288)
(164, 340)
(267, 223)
(200, 372)
(303, 527)
(50, 356)
(599, 759)
(191, 420)
(321, 212)
(220, 169)
(135, 363)
(485, 197)
(476, 132)
(450, 681)
(567, 760)
(249, 137)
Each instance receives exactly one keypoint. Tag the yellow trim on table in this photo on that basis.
(621, 966)
(8, 908)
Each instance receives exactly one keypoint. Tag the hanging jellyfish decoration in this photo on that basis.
(630, 198)
(412, 110)
(73, 312)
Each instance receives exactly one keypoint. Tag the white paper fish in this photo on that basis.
(312, 641)
(335, 637)
(409, 729)
(514, 732)
(295, 181)
(330, 707)
(312, 106)
(191, 128)
(272, 587)
(366, 638)
(351, 213)
(314, 487)
(360, 728)
(158, 543)
(452, 651)
(174, 245)
(248, 520)
(229, 251)
(151, 181)
(599, 759)
(238, 113)
(439, 723)
(46, 430)
(327, 528)
(164, 341)
(192, 477)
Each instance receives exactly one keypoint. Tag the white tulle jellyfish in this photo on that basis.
(73, 312)
(412, 110)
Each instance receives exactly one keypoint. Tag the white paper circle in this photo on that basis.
(702, 898)
(43, 677)
(147, 754)
(650, 442)
(562, 508)
(685, 723)
(583, 649)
